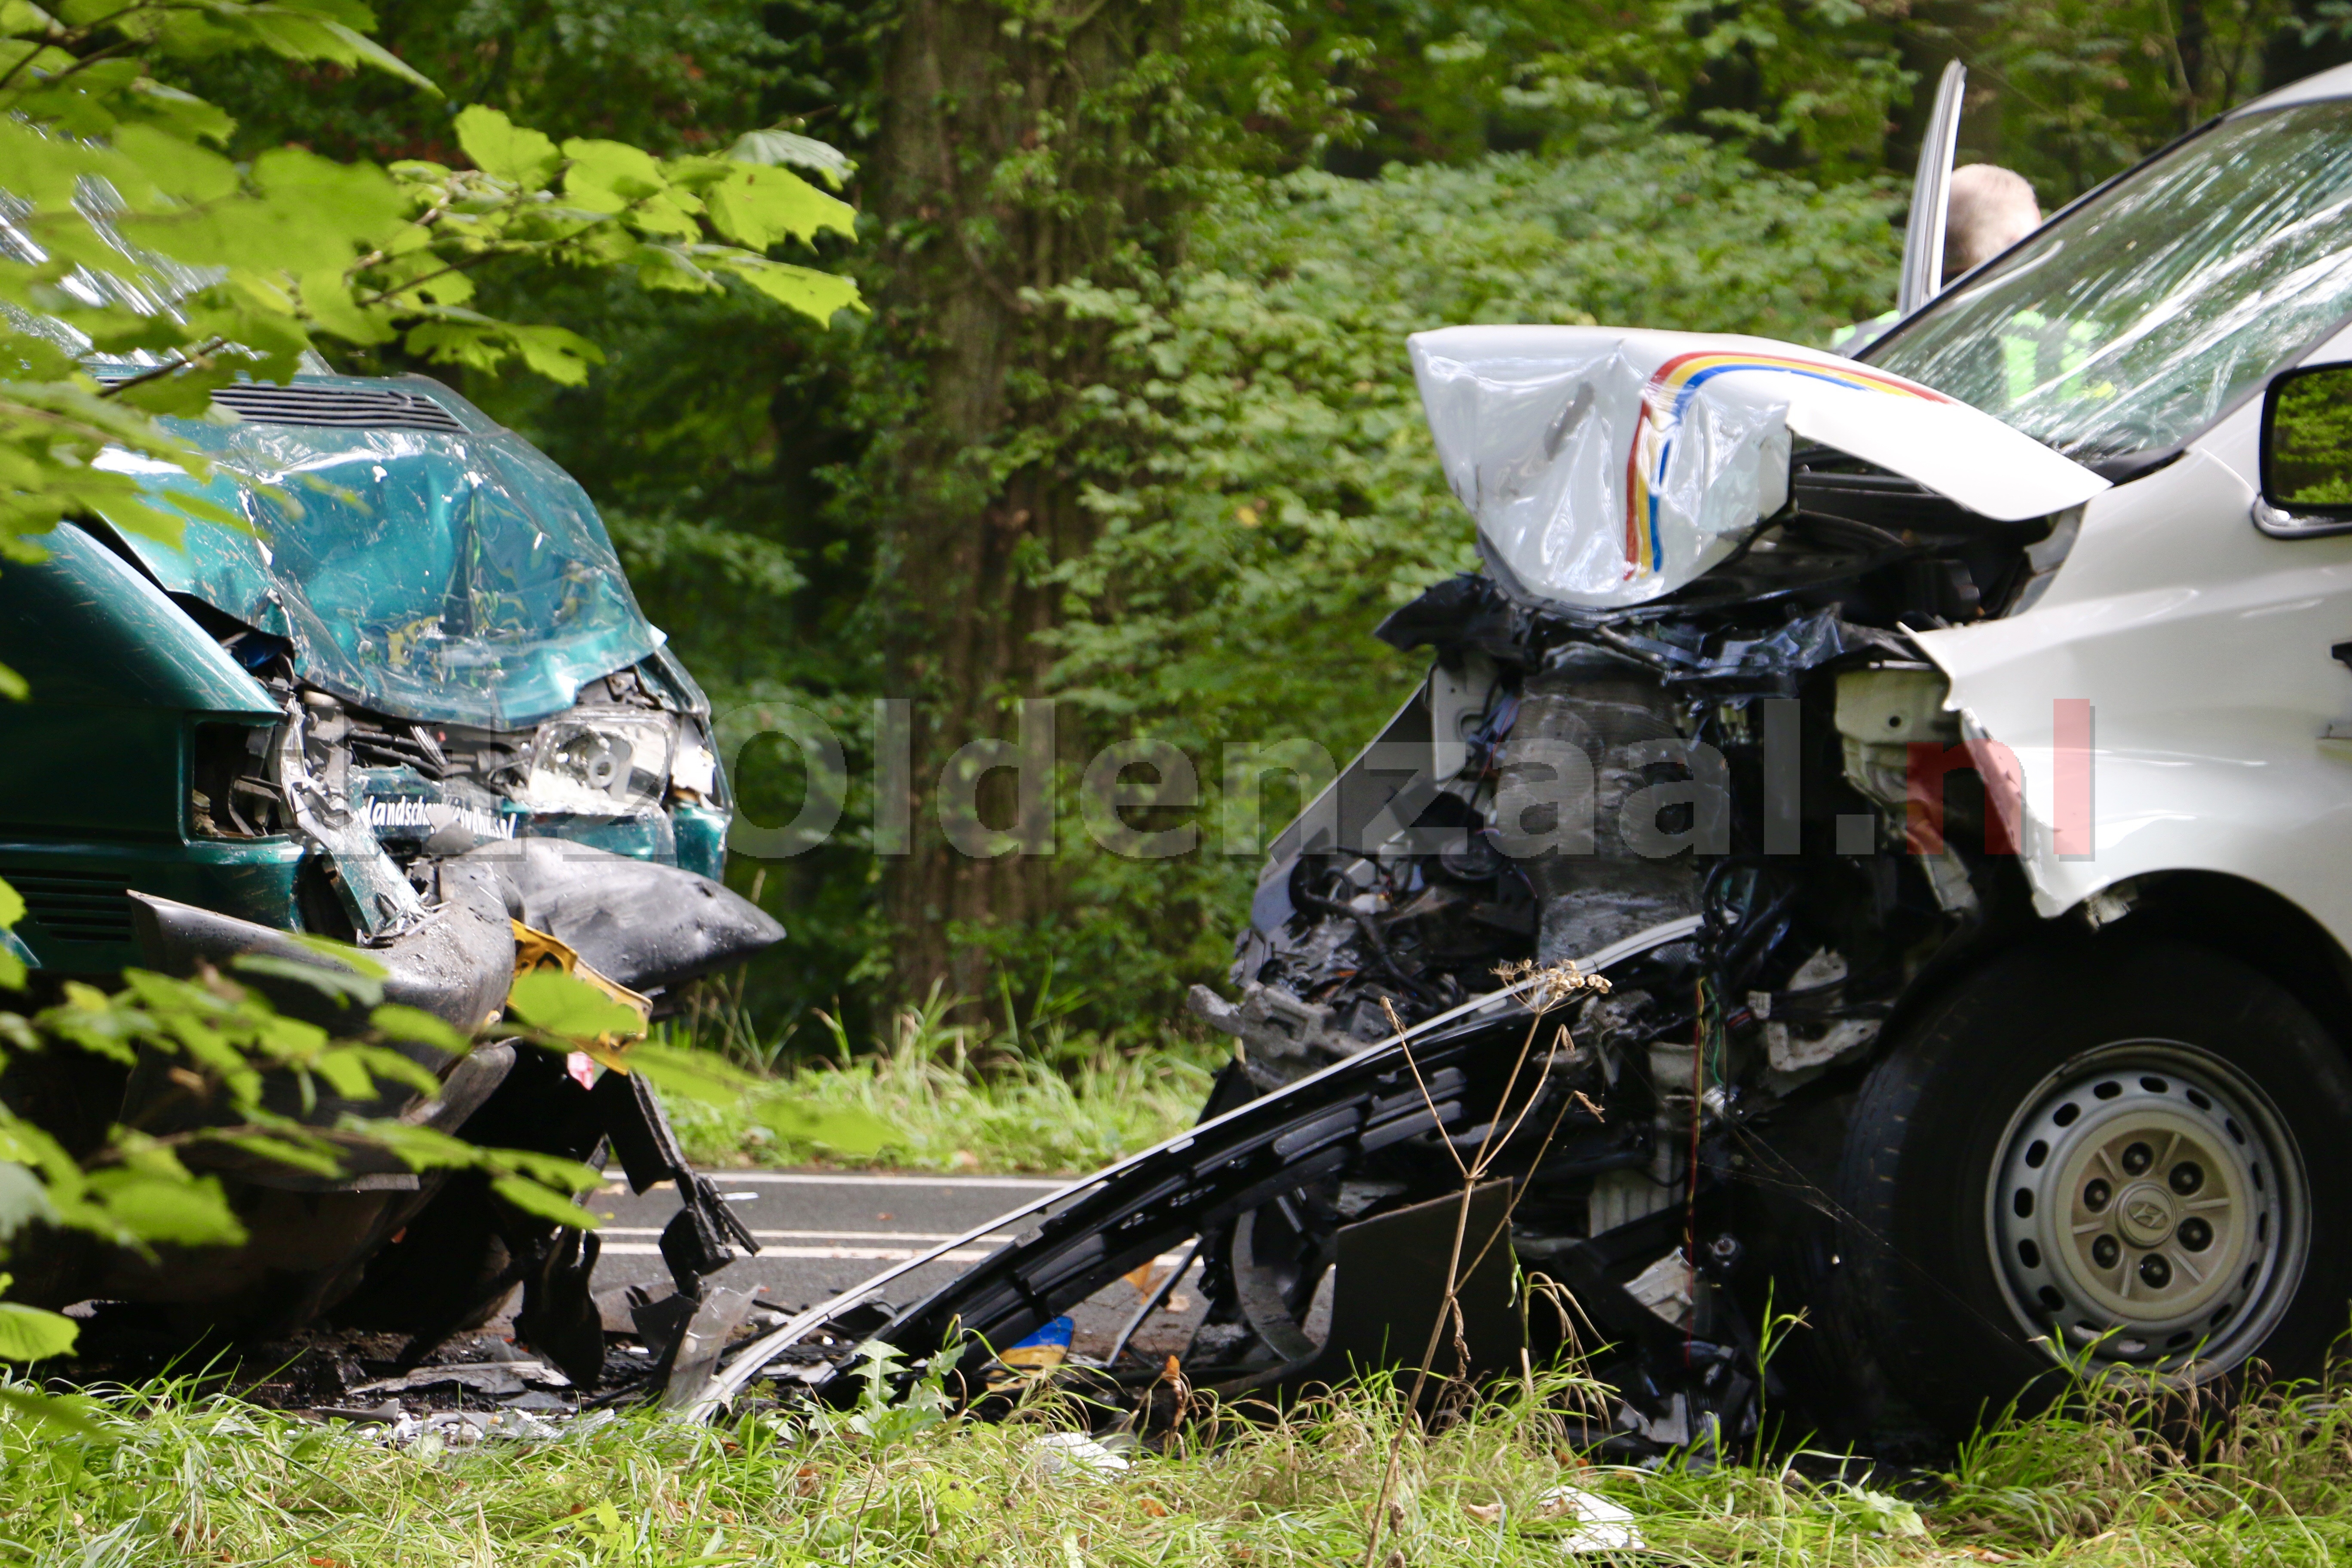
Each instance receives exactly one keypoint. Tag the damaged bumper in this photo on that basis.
(342, 1244)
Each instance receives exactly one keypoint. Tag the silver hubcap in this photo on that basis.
(2148, 1206)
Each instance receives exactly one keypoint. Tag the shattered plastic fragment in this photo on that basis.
(1605, 1526)
(494, 1377)
(1073, 1453)
(715, 1320)
(1665, 1288)
(1048, 1347)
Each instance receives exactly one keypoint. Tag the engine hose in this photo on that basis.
(1372, 939)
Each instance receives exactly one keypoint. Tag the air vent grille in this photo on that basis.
(374, 408)
(74, 906)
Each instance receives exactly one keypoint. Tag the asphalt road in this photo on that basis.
(822, 1233)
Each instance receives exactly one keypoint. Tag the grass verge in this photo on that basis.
(937, 1096)
(170, 1477)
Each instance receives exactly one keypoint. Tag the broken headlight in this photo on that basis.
(695, 775)
(600, 762)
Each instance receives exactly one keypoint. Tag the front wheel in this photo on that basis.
(2104, 1156)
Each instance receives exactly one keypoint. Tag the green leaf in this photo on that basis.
(1881, 1513)
(548, 1170)
(184, 112)
(564, 1005)
(402, 1022)
(24, 1200)
(389, 1064)
(64, 1412)
(558, 353)
(668, 267)
(339, 207)
(509, 152)
(42, 169)
(19, 19)
(186, 394)
(28, 1333)
(177, 167)
(816, 295)
(340, 984)
(189, 1210)
(303, 1156)
(419, 1148)
(299, 31)
(664, 215)
(345, 1073)
(358, 960)
(12, 905)
(119, 331)
(27, 1145)
(847, 1130)
(362, 49)
(606, 176)
(759, 207)
(542, 1203)
(694, 1075)
(327, 299)
(827, 161)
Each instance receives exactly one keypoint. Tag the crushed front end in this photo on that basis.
(412, 706)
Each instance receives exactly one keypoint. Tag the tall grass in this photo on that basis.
(951, 1094)
(172, 1476)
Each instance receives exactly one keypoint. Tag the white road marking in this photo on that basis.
(835, 1254)
(837, 1246)
(820, 1235)
(873, 1253)
(856, 1179)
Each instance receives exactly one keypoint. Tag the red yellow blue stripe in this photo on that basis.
(1672, 386)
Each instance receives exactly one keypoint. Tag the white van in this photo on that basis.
(2065, 559)
(1943, 760)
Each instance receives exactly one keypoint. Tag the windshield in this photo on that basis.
(451, 575)
(2133, 321)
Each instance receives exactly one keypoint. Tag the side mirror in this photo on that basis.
(2307, 454)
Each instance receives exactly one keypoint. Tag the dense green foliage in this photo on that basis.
(121, 198)
(1247, 441)
(2309, 459)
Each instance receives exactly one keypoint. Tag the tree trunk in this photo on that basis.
(1019, 150)
(2195, 33)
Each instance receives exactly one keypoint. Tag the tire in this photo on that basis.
(2119, 1154)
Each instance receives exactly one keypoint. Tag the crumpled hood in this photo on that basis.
(449, 574)
(1606, 466)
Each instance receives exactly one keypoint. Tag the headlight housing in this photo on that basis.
(603, 763)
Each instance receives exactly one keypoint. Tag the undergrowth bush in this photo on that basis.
(935, 1094)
